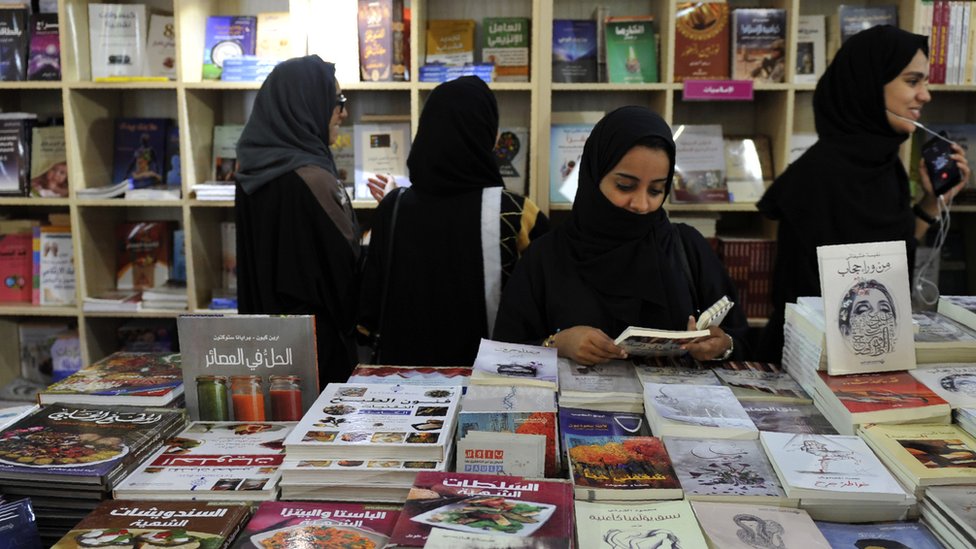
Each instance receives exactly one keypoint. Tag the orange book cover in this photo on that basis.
(880, 391)
(701, 43)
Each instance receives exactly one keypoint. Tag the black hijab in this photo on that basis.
(289, 126)
(452, 151)
(620, 254)
(851, 185)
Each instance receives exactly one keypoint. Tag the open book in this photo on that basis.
(651, 342)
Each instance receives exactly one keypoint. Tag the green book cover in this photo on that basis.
(505, 44)
(631, 50)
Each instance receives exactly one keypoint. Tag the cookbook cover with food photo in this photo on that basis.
(288, 524)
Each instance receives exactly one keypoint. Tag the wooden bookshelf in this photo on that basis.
(89, 108)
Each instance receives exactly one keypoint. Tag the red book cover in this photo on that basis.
(16, 267)
(701, 43)
(296, 524)
(144, 254)
(861, 393)
(486, 504)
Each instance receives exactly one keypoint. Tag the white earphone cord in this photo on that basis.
(928, 291)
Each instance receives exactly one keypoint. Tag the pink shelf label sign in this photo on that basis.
(718, 90)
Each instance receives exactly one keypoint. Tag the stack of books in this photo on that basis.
(950, 513)
(170, 296)
(613, 386)
(679, 375)
(214, 191)
(966, 419)
(761, 381)
(696, 411)
(598, 425)
(500, 363)
(628, 525)
(411, 375)
(122, 378)
(938, 338)
(621, 469)
(954, 382)
(740, 526)
(217, 461)
(294, 524)
(365, 442)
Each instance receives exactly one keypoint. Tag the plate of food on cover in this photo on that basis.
(45, 447)
(321, 534)
(489, 514)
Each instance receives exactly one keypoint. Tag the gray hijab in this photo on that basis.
(289, 126)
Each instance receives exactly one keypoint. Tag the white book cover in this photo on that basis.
(500, 363)
(508, 399)
(829, 466)
(697, 405)
(396, 472)
(567, 135)
(353, 421)
(811, 49)
(648, 342)
(499, 453)
(961, 308)
(759, 384)
(937, 331)
(278, 37)
(699, 167)
(161, 46)
(117, 37)
(56, 274)
(380, 149)
(671, 374)
(867, 307)
(723, 468)
(616, 377)
(957, 501)
(213, 461)
(625, 526)
(737, 526)
(333, 35)
(954, 382)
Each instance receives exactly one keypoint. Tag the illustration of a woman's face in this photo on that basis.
(871, 321)
(870, 300)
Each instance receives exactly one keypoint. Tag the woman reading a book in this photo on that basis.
(618, 261)
(851, 185)
(456, 236)
(297, 235)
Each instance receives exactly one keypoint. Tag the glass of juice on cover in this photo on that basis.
(248, 398)
(212, 398)
(286, 398)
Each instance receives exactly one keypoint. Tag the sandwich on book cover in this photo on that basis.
(867, 307)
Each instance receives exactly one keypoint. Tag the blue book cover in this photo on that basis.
(178, 271)
(574, 50)
(14, 38)
(886, 535)
(18, 528)
(227, 36)
(140, 149)
(173, 174)
(577, 422)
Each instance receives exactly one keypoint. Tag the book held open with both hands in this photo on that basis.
(639, 341)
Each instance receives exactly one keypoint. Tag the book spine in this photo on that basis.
(36, 266)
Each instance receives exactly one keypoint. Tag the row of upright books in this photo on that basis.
(29, 44)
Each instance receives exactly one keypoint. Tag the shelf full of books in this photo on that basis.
(93, 89)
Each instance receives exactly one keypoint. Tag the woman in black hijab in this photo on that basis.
(851, 186)
(297, 235)
(619, 261)
(457, 237)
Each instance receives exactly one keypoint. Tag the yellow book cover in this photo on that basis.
(930, 454)
(450, 41)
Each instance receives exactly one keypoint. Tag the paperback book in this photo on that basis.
(410, 375)
(16, 263)
(580, 423)
(136, 379)
(450, 41)
(505, 44)
(961, 308)
(893, 534)
(787, 417)
(500, 363)
(758, 380)
(380, 148)
(893, 397)
(161, 46)
(699, 168)
(640, 342)
(867, 305)
(955, 383)
(924, 455)
(157, 524)
(54, 267)
(49, 164)
(660, 523)
(631, 50)
(18, 525)
(811, 49)
(117, 40)
(625, 468)
(759, 44)
(574, 48)
(612, 386)
(140, 151)
(686, 375)
(725, 470)
(353, 421)
(358, 472)
(469, 503)
(225, 138)
(502, 453)
(14, 43)
(269, 362)
(294, 524)
(144, 254)
(938, 338)
(736, 526)
(512, 153)
(227, 36)
(567, 135)
(44, 56)
(217, 461)
(696, 411)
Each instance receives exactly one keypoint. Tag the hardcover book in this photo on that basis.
(82, 444)
(623, 468)
(696, 411)
(122, 378)
(787, 417)
(294, 524)
(248, 350)
(955, 383)
(631, 50)
(735, 526)
(500, 363)
(157, 524)
(892, 534)
(117, 38)
(140, 151)
(505, 44)
(512, 153)
(661, 524)
(14, 43)
(226, 36)
(811, 49)
(759, 44)
(161, 46)
(383, 51)
(380, 149)
(699, 167)
(829, 467)
(867, 305)
(353, 421)
(724, 470)
(359, 472)
(701, 43)
(49, 164)
(574, 50)
(222, 461)
(144, 254)
(512, 505)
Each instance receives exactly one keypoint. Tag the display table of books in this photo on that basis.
(536, 451)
